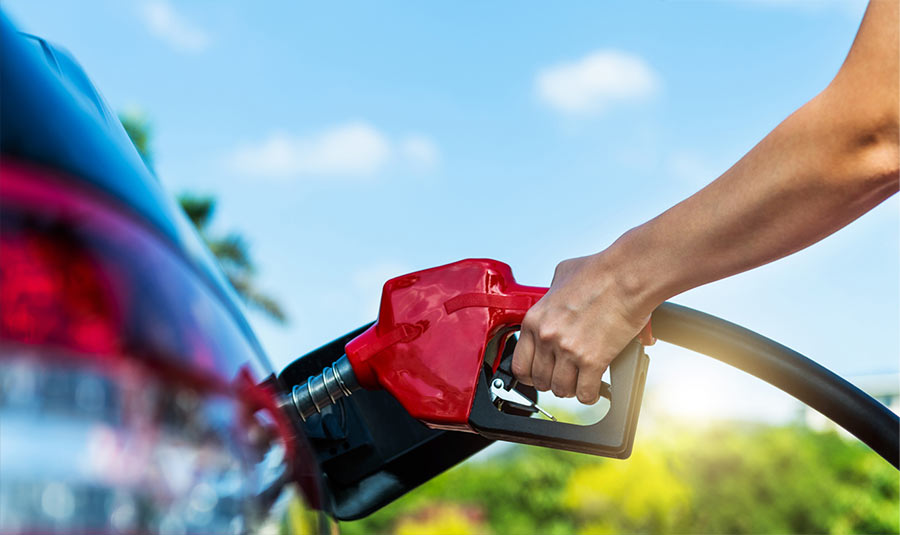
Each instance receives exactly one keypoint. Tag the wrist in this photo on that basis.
(636, 273)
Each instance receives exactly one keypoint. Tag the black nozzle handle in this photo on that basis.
(612, 436)
(320, 391)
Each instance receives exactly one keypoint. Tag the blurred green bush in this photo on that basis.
(730, 478)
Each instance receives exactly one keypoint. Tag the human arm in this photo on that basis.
(828, 163)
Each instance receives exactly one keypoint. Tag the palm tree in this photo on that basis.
(230, 249)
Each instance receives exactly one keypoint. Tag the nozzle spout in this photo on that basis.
(323, 390)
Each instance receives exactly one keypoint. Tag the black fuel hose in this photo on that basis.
(848, 406)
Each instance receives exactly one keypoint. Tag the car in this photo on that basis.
(134, 395)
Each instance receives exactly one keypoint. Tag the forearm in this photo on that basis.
(823, 167)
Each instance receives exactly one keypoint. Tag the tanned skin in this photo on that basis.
(828, 163)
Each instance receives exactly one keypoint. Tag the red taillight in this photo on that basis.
(123, 364)
(82, 274)
(53, 293)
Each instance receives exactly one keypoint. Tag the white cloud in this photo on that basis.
(163, 21)
(595, 82)
(355, 149)
(420, 151)
(351, 149)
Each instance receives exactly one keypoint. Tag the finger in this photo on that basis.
(523, 356)
(588, 384)
(542, 367)
(565, 377)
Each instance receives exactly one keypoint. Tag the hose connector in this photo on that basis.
(335, 381)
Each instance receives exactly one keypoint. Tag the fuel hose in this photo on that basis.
(846, 405)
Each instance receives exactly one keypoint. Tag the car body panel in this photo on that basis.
(52, 115)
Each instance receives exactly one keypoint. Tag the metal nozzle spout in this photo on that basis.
(320, 391)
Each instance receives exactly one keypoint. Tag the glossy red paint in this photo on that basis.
(434, 326)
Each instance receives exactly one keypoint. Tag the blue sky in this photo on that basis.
(353, 142)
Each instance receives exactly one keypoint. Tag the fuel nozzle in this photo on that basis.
(320, 391)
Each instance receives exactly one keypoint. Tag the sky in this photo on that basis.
(352, 142)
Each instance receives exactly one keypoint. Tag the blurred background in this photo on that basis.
(322, 149)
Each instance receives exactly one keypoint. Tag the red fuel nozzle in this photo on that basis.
(433, 334)
(437, 347)
(428, 346)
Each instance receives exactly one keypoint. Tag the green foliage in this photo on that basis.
(199, 209)
(799, 480)
(232, 253)
(730, 478)
(643, 494)
(519, 492)
(138, 129)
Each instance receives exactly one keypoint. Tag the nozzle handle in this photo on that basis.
(612, 436)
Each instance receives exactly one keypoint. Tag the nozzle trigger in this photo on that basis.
(499, 391)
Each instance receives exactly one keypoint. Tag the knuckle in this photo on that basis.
(562, 267)
(546, 333)
(559, 269)
(569, 346)
(587, 361)
(531, 321)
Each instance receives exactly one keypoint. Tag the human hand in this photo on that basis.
(570, 336)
